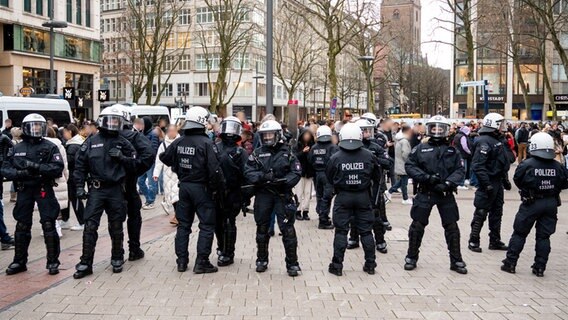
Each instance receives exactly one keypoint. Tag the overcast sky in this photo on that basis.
(439, 55)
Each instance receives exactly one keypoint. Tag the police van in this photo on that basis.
(16, 108)
(156, 113)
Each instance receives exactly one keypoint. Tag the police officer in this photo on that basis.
(274, 170)
(233, 159)
(195, 159)
(491, 164)
(103, 162)
(318, 157)
(438, 170)
(540, 180)
(377, 189)
(33, 165)
(145, 157)
(351, 171)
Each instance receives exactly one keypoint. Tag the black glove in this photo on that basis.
(116, 154)
(442, 187)
(488, 190)
(81, 193)
(507, 184)
(31, 165)
(23, 173)
(268, 177)
(434, 179)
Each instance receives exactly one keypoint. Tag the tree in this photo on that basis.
(335, 22)
(225, 45)
(151, 27)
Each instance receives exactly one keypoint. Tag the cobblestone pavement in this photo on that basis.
(152, 288)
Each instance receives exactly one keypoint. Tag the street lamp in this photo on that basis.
(367, 60)
(52, 24)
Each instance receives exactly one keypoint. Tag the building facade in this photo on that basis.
(25, 50)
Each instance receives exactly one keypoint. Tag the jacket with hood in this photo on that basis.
(149, 133)
(463, 143)
(72, 146)
(307, 169)
(402, 150)
(171, 188)
(61, 189)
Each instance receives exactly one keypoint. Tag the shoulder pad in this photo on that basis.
(84, 146)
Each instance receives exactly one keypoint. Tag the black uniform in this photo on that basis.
(540, 182)
(145, 157)
(491, 165)
(232, 159)
(33, 165)
(195, 160)
(275, 171)
(318, 157)
(352, 174)
(437, 169)
(104, 170)
(377, 200)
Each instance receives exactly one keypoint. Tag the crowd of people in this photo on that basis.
(215, 169)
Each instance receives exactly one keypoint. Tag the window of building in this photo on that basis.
(558, 73)
(396, 14)
(169, 62)
(183, 89)
(202, 89)
(38, 79)
(183, 40)
(201, 62)
(88, 13)
(4, 3)
(184, 63)
(241, 61)
(170, 42)
(78, 8)
(168, 90)
(36, 41)
(28, 6)
(167, 18)
(204, 15)
(69, 10)
(208, 38)
(460, 76)
(39, 7)
(185, 17)
(243, 89)
(532, 76)
(154, 90)
(496, 74)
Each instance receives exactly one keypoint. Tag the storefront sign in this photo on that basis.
(104, 95)
(561, 98)
(26, 91)
(68, 93)
(493, 99)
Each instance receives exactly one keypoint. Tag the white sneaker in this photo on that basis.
(409, 181)
(407, 202)
(77, 227)
(399, 190)
(466, 182)
(65, 225)
(58, 228)
(148, 206)
(387, 196)
(463, 188)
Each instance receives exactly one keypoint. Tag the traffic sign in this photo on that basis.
(472, 83)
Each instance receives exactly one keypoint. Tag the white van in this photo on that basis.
(156, 113)
(16, 108)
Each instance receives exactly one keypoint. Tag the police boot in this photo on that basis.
(459, 267)
(261, 266)
(382, 247)
(135, 254)
(181, 265)
(290, 241)
(52, 245)
(117, 250)
(325, 223)
(305, 215)
(225, 260)
(409, 264)
(204, 266)
(369, 267)
(22, 238)
(387, 225)
(498, 245)
(226, 257)
(415, 234)
(335, 267)
(293, 269)
(537, 271)
(352, 244)
(508, 266)
(90, 236)
(299, 216)
(479, 217)
(83, 269)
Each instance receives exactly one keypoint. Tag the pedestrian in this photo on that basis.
(352, 170)
(540, 180)
(8, 128)
(104, 161)
(463, 143)
(232, 160)
(171, 188)
(72, 146)
(60, 186)
(522, 138)
(33, 165)
(490, 163)
(16, 138)
(318, 158)
(437, 169)
(274, 170)
(303, 190)
(146, 184)
(6, 241)
(195, 160)
(401, 152)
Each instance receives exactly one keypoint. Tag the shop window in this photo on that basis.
(35, 40)
(38, 79)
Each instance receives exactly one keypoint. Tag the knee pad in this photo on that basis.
(289, 232)
(23, 227)
(262, 234)
(541, 236)
(91, 226)
(480, 213)
(48, 226)
(417, 226)
(451, 227)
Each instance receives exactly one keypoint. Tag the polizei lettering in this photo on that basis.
(545, 172)
(352, 166)
(186, 150)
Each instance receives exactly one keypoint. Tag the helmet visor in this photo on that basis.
(111, 122)
(269, 138)
(368, 132)
(35, 129)
(438, 130)
(231, 127)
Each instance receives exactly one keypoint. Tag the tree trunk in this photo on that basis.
(521, 82)
(332, 75)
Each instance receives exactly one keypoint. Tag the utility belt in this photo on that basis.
(529, 197)
(20, 185)
(429, 190)
(100, 184)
